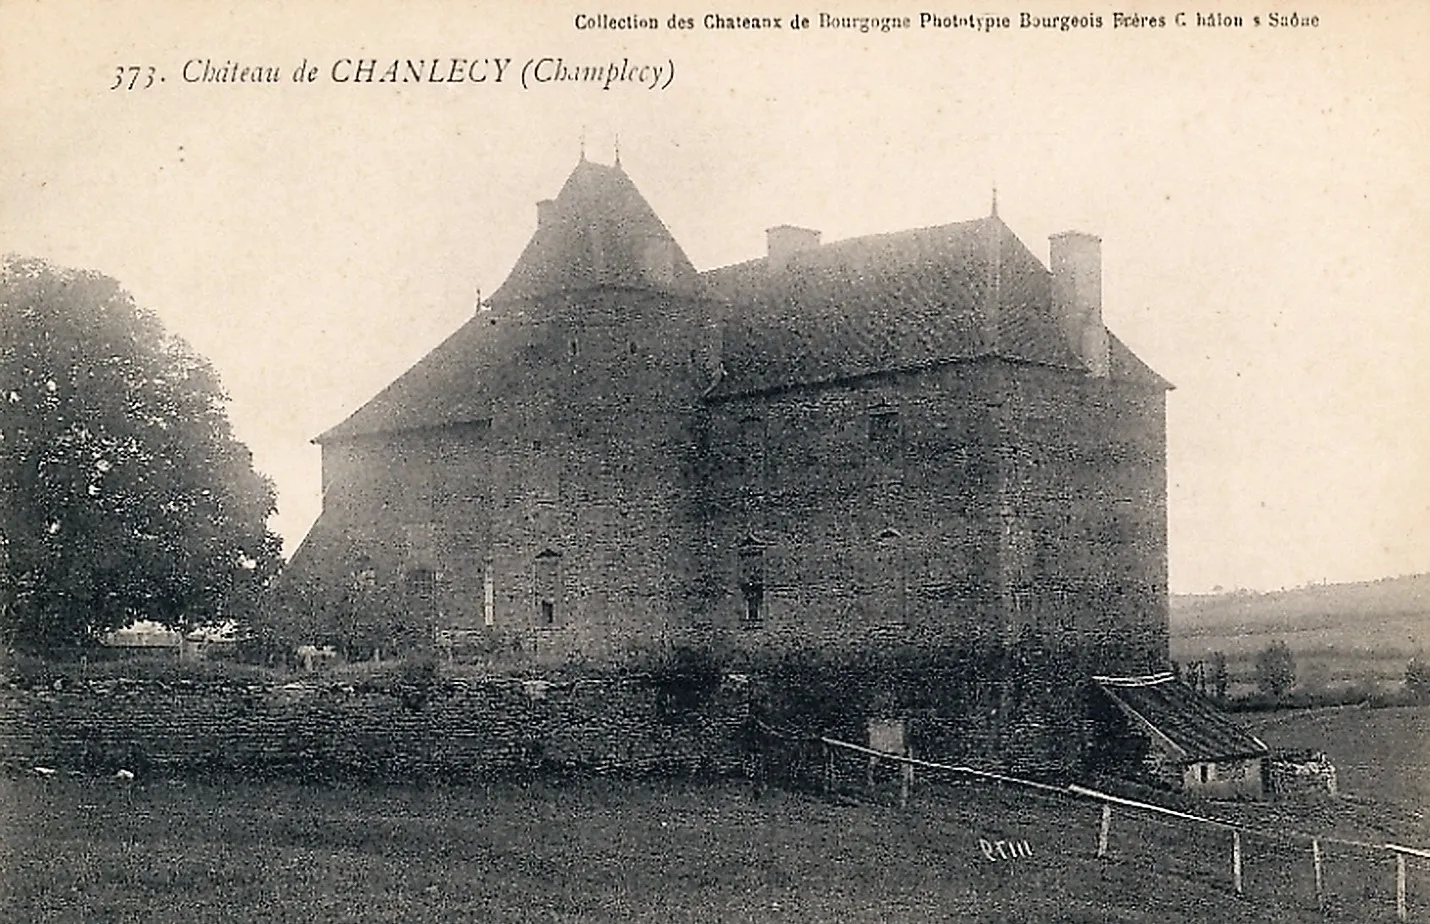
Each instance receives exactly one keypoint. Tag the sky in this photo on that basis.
(1259, 192)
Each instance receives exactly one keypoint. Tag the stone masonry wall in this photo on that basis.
(447, 729)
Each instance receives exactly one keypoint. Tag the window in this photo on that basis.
(489, 596)
(884, 432)
(752, 584)
(422, 589)
(750, 452)
(573, 346)
(547, 586)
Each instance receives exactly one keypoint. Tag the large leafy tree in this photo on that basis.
(125, 494)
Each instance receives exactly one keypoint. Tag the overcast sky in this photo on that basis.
(1260, 194)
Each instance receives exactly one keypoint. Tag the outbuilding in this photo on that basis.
(1193, 746)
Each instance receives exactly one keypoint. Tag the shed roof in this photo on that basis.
(1181, 717)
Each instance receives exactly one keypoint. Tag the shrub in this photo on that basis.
(1417, 680)
(1275, 669)
(685, 676)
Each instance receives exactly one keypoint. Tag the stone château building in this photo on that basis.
(908, 435)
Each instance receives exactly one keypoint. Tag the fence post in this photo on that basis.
(1402, 912)
(828, 769)
(906, 782)
(1236, 859)
(1320, 882)
(1105, 830)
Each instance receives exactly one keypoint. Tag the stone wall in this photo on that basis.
(975, 501)
(378, 729)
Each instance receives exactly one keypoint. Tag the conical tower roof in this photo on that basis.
(598, 231)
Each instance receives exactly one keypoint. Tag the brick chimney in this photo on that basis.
(784, 241)
(1076, 260)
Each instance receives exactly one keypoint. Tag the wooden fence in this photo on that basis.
(1344, 878)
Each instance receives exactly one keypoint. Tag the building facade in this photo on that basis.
(919, 434)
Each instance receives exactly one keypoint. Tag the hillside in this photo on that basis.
(1389, 618)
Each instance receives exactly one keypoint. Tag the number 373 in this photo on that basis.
(129, 78)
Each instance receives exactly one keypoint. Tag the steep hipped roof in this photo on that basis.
(1126, 366)
(1178, 715)
(598, 231)
(886, 302)
(851, 308)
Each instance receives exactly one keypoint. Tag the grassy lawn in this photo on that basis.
(97, 850)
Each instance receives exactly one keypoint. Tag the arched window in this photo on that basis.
(546, 583)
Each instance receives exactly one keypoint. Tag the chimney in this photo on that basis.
(785, 241)
(545, 212)
(1076, 260)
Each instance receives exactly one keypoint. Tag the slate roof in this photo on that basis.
(597, 235)
(867, 305)
(890, 302)
(450, 385)
(1179, 716)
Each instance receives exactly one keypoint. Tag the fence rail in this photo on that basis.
(1339, 876)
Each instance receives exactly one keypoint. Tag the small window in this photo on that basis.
(750, 452)
(547, 580)
(752, 585)
(422, 587)
(884, 430)
(489, 596)
(1204, 773)
(754, 604)
(574, 346)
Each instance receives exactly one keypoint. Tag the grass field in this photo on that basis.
(1342, 635)
(97, 850)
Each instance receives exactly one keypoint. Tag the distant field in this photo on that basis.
(1339, 633)
(92, 850)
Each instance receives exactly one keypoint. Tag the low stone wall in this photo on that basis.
(390, 729)
(1302, 773)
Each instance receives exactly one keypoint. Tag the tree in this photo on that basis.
(128, 496)
(1221, 677)
(1417, 679)
(1275, 669)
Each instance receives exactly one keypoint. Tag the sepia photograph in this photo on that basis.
(674, 461)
